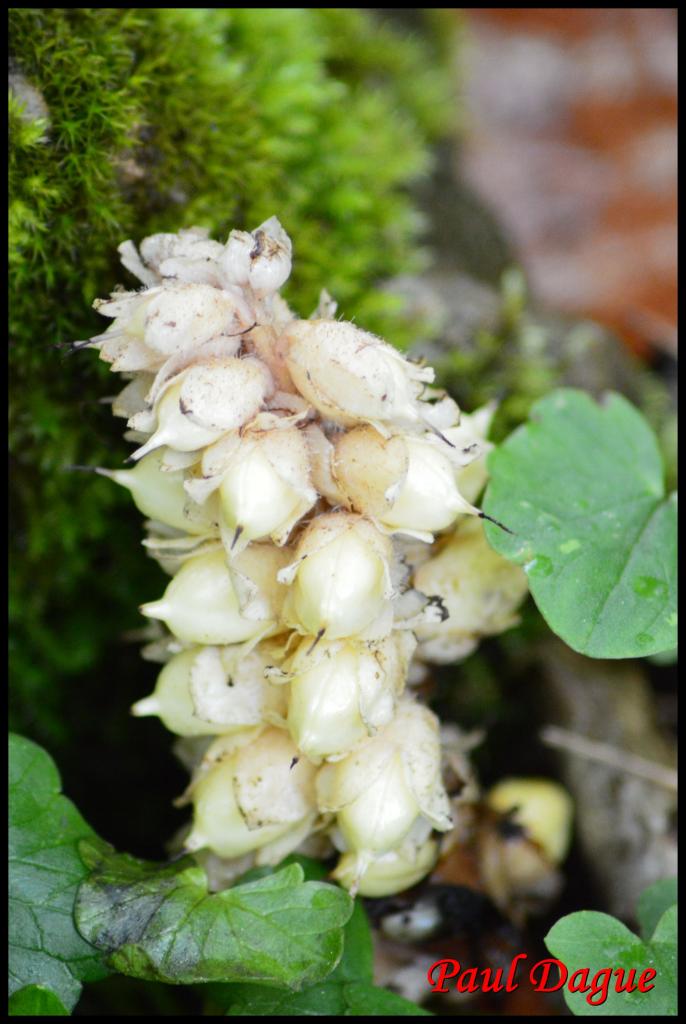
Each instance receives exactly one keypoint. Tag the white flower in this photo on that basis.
(188, 256)
(260, 259)
(353, 377)
(480, 590)
(209, 603)
(388, 783)
(341, 691)
(406, 483)
(207, 400)
(340, 578)
(262, 793)
(161, 496)
(262, 475)
(151, 326)
(214, 690)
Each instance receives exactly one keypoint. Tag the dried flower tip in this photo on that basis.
(260, 259)
(340, 577)
(353, 377)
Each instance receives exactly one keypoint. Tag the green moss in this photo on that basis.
(156, 119)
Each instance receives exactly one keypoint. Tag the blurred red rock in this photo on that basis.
(571, 138)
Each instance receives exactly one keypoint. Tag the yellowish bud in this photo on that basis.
(160, 495)
(171, 699)
(480, 590)
(543, 808)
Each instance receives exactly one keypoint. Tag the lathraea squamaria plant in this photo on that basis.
(311, 496)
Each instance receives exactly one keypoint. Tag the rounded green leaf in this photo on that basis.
(45, 870)
(653, 903)
(160, 922)
(597, 943)
(36, 1001)
(581, 488)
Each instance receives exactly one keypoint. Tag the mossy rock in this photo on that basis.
(128, 121)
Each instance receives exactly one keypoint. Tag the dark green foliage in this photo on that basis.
(349, 991)
(159, 922)
(127, 121)
(45, 949)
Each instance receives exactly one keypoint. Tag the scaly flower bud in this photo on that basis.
(387, 783)
(479, 588)
(340, 578)
(187, 256)
(209, 603)
(406, 483)
(207, 400)
(343, 691)
(258, 795)
(214, 690)
(351, 376)
(151, 326)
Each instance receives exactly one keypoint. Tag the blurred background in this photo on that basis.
(570, 125)
(493, 188)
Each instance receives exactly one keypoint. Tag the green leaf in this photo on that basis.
(581, 487)
(160, 923)
(598, 942)
(653, 903)
(332, 999)
(45, 870)
(348, 992)
(36, 1001)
